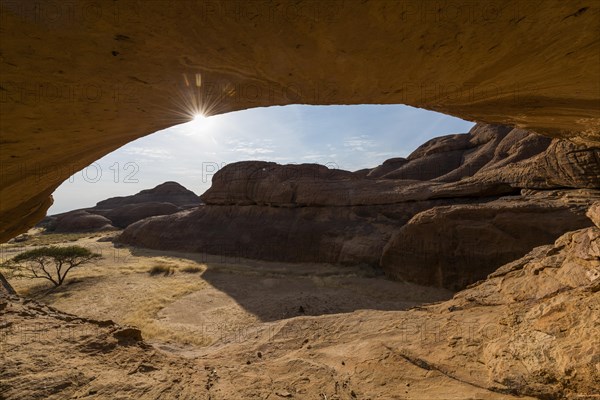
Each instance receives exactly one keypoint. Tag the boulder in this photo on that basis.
(23, 237)
(268, 183)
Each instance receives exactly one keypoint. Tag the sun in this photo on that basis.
(200, 122)
(198, 117)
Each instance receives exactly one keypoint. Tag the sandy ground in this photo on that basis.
(216, 298)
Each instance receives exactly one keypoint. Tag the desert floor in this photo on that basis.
(198, 300)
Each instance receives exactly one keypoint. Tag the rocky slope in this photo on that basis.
(119, 212)
(529, 329)
(449, 214)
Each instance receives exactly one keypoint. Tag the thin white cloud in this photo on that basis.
(252, 150)
(359, 143)
(149, 152)
(313, 156)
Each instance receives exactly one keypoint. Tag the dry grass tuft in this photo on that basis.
(192, 270)
(161, 269)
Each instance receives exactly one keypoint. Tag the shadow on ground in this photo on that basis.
(45, 291)
(272, 291)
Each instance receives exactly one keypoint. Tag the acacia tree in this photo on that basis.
(52, 263)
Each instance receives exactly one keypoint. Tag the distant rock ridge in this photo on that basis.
(119, 212)
(447, 215)
(490, 160)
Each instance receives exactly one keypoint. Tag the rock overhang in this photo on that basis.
(79, 81)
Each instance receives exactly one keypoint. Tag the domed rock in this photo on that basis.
(308, 234)
(453, 157)
(81, 221)
(168, 192)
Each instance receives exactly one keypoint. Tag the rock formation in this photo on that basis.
(518, 63)
(461, 228)
(489, 160)
(119, 212)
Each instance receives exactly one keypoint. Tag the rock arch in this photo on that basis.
(80, 80)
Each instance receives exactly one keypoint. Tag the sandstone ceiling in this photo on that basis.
(79, 80)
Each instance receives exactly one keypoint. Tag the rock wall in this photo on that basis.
(78, 82)
(345, 235)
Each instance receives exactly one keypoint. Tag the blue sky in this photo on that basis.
(345, 137)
